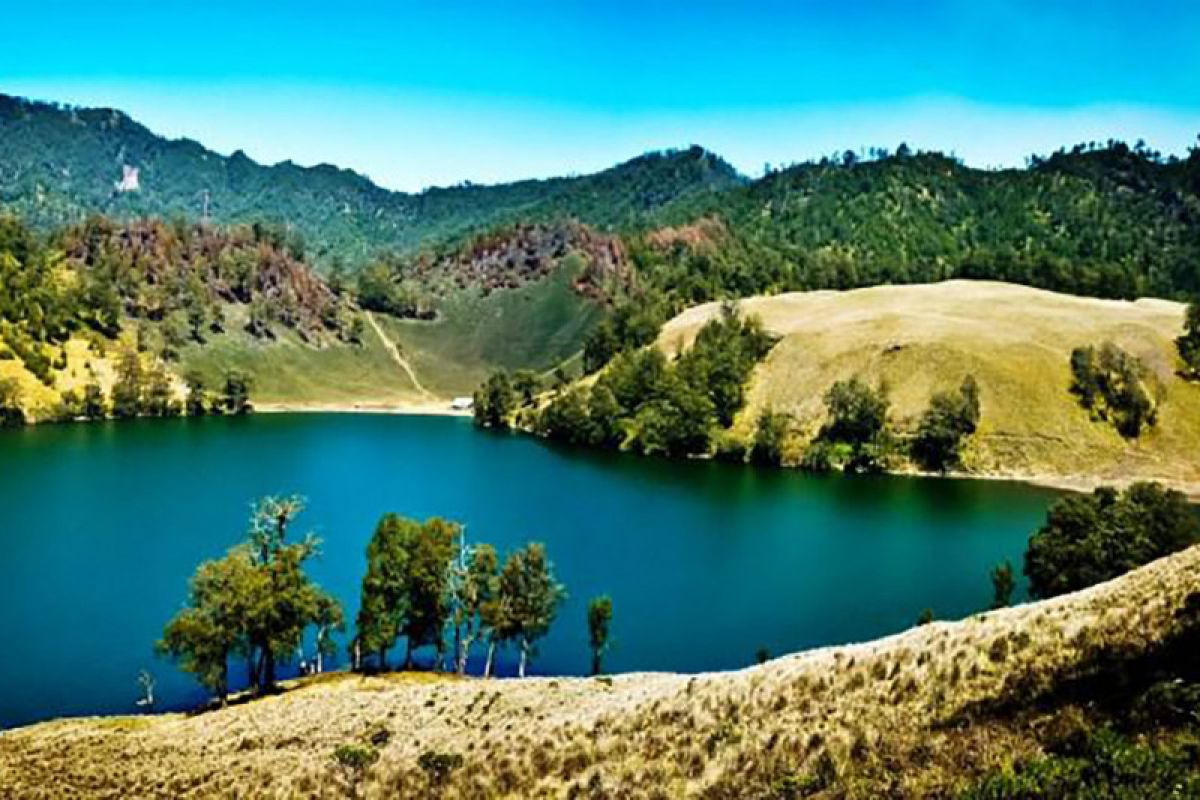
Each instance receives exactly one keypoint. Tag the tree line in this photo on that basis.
(423, 584)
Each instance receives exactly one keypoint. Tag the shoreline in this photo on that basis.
(1069, 483)
(399, 409)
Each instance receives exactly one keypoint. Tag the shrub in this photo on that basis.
(439, 766)
(949, 419)
(1112, 385)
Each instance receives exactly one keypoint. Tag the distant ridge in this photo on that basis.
(58, 164)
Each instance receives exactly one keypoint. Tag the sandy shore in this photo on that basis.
(422, 409)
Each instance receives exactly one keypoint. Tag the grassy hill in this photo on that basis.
(945, 709)
(1015, 340)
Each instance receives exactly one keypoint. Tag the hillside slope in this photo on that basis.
(917, 714)
(1017, 343)
(59, 164)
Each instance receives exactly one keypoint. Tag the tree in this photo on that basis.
(204, 635)
(235, 397)
(770, 437)
(1189, 343)
(531, 597)
(127, 389)
(11, 412)
(526, 384)
(1087, 539)
(197, 403)
(383, 604)
(427, 585)
(949, 419)
(855, 435)
(93, 402)
(1111, 384)
(495, 401)
(477, 584)
(158, 397)
(1003, 584)
(284, 602)
(599, 618)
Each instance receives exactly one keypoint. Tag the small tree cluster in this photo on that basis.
(855, 436)
(645, 403)
(256, 603)
(11, 412)
(495, 401)
(423, 582)
(1087, 539)
(950, 418)
(1112, 385)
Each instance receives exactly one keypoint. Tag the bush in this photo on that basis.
(1087, 539)
(770, 437)
(949, 419)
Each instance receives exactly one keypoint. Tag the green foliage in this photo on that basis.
(1111, 221)
(770, 437)
(255, 602)
(949, 419)
(495, 401)
(235, 396)
(1104, 764)
(529, 596)
(353, 760)
(1087, 539)
(1003, 584)
(646, 404)
(406, 589)
(1189, 343)
(925, 617)
(11, 412)
(599, 620)
(1112, 385)
(855, 436)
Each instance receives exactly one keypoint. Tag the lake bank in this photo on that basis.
(876, 711)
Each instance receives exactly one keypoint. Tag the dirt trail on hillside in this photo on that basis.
(398, 358)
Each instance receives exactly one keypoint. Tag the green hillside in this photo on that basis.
(59, 164)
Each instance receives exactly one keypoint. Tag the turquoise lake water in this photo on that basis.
(101, 525)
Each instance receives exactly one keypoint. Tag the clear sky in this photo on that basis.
(417, 95)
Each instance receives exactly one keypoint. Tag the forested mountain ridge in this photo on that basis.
(60, 164)
(1109, 221)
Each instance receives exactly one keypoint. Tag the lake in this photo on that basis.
(706, 563)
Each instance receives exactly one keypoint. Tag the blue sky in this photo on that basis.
(437, 93)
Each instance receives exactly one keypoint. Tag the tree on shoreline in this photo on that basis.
(599, 619)
(531, 595)
(255, 602)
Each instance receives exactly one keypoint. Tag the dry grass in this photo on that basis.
(1015, 340)
(889, 717)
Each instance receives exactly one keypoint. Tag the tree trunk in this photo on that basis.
(524, 658)
(464, 649)
(487, 665)
(408, 659)
(268, 670)
(383, 658)
(596, 662)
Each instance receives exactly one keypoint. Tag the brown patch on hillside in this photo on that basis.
(701, 236)
(511, 257)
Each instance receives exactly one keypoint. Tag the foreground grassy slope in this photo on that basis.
(922, 713)
(1015, 340)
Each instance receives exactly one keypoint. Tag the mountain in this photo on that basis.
(1089, 694)
(59, 164)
